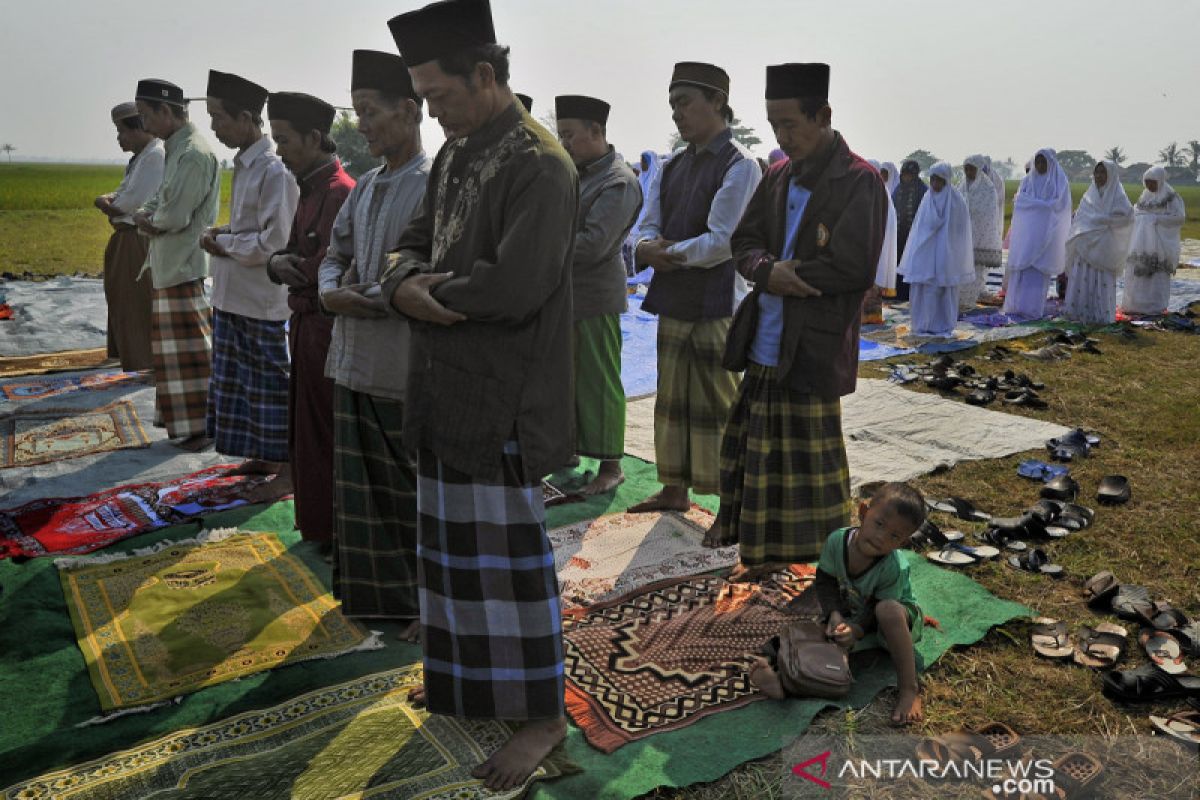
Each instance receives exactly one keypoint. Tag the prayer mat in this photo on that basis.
(28, 438)
(601, 558)
(77, 525)
(154, 626)
(52, 387)
(53, 362)
(356, 739)
(667, 655)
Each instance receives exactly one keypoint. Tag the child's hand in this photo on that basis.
(840, 631)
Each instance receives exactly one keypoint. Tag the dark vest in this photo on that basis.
(689, 182)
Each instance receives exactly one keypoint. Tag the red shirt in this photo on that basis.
(322, 193)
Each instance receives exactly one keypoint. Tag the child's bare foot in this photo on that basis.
(766, 679)
(512, 764)
(417, 696)
(909, 709)
(411, 633)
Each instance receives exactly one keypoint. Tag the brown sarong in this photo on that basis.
(310, 425)
(128, 298)
(181, 340)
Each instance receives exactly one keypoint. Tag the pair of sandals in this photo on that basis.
(1076, 341)
(1036, 470)
(1182, 726)
(1101, 647)
(948, 549)
(1035, 560)
(1075, 445)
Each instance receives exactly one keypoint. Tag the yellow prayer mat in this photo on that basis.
(153, 626)
(53, 362)
(39, 436)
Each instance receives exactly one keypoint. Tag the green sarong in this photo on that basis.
(599, 393)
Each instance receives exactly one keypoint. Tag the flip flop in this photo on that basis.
(961, 508)
(1063, 487)
(961, 555)
(1182, 726)
(1132, 602)
(1164, 650)
(1036, 561)
(1100, 590)
(1148, 683)
(1113, 490)
(1003, 540)
(1041, 471)
(1100, 647)
(930, 535)
(1050, 638)
(1165, 617)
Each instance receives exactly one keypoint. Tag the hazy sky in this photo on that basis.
(953, 77)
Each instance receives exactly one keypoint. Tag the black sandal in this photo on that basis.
(1063, 487)
(1100, 647)
(1100, 589)
(1148, 683)
(1113, 490)
(1036, 561)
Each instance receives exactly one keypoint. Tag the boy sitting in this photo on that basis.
(864, 593)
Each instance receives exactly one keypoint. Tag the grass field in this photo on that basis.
(48, 225)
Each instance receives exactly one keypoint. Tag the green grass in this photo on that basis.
(1190, 195)
(48, 225)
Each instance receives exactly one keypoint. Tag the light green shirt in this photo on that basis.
(186, 205)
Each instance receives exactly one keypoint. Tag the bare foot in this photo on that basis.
(671, 498)
(411, 633)
(194, 443)
(417, 696)
(743, 574)
(270, 491)
(607, 479)
(766, 679)
(909, 708)
(713, 537)
(512, 764)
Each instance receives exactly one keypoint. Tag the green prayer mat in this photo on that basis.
(356, 739)
(198, 613)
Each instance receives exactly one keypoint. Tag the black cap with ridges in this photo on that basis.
(577, 106)
(442, 29)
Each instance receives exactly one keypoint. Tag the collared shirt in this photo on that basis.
(142, 178)
(371, 355)
(185, 206)
(765, 348)
(262, 205)
(609, 201)
(322, 193)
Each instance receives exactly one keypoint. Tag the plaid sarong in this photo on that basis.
(248, 395)
(181, 342)
(374, 509)
(599, 393)
(490, 617)
(695, 394)
(785, 482)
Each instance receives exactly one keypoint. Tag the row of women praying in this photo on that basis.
(954, 240)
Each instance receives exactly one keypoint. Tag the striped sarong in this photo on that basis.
(785, 481)
(374, 509)
(128, 298)
(248, 395)
(599, 393)
(490, 616)
(181, 342)
(695, 394)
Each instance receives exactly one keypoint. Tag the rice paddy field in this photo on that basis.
(48, 225)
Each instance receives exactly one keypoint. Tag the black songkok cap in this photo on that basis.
(384, 72)
(237, 90)
(526, 101)
(695, 73)
(442, 29)
(303, 111)
(576, 106)
(785, 81)
(160, 92)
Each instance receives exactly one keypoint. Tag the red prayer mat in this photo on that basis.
(663, 656)
(75, 525)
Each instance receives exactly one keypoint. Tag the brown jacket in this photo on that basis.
(841, 234)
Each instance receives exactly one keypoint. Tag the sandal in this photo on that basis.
(963, 509)
(1182, 726)
(1148, 683)
(1073, 446)
(1133, 602)
(1025, 397)
(1164, 650)
(1100, 590)
(930, 535)
(969, 744)
(1050, 638)
(961, 555)
(1003, 539)
(981, 397)
(1035, 560)
(1113, 490)
(1040, 470)
(1100, 647)
(1063, 487)
(1073, 772)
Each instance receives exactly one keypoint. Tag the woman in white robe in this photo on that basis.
(998, 183)
(938, 257)
(980, 194)
(1154, 249)
(1037, 249)
(1097, 247)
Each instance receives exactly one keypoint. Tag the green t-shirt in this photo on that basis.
(887, 579)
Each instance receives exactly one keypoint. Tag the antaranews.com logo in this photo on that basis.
(1007, 777)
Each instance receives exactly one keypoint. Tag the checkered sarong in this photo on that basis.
(181, 343)
(490, 616)
(695, 394)
(248, 395)
(375, 509)
(785, 482)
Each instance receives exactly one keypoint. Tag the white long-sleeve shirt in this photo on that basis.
(261, 209)
(141, 181)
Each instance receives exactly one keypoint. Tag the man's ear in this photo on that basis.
(485, 74)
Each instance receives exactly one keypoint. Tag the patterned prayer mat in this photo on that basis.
(52, 362)
(609, 556)
(662, 657)
(28, 438)
(77, 525)
(40, 388)
(198, 613)
(357, 739)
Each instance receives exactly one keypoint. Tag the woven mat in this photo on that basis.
(29, 438)
(41, 388)
(53, 362)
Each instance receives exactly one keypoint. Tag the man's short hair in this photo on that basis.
(811, 106)
(177, 111)
(462, 62)
(234, 110)
(904, 500)
(711, 94)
